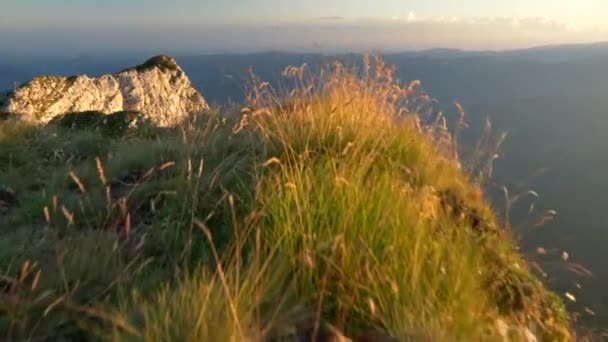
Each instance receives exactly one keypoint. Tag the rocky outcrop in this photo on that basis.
(159, 89)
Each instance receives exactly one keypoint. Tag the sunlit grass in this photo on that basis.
(336, 208)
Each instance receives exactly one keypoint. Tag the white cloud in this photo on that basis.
(409, 31)
(409, 17)
(524, 23)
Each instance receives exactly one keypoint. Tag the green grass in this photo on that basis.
(163, 62)
(340, 213)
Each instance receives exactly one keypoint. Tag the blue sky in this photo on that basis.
(230, 25)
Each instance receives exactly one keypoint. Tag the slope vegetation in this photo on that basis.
(333, 210)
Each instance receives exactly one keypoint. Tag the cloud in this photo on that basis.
(331, 18)
(409, 31)
(544, 23)
(409, 17)
(322, 34)
(523, 23)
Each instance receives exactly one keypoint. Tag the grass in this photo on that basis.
(163, 62)
(333, 209)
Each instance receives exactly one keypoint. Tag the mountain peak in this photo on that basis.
(162, 62)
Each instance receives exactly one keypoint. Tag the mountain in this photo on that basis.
(562, 52)
(326, 200)
(552, 103)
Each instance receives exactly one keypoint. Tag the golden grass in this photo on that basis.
(339, 207)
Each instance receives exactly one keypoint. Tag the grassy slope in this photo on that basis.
(289, 220)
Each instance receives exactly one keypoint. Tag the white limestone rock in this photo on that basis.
(158, 88)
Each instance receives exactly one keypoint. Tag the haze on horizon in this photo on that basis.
(59, 27)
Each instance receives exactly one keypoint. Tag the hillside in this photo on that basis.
(550, 101)
(334, 209)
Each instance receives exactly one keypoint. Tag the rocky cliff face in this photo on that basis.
(159, 89)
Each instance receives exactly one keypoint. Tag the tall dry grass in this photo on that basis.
(339, 207)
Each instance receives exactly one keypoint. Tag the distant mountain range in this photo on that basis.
(207, 67)
(542, 53)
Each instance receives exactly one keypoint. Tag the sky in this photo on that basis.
(34, 26)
